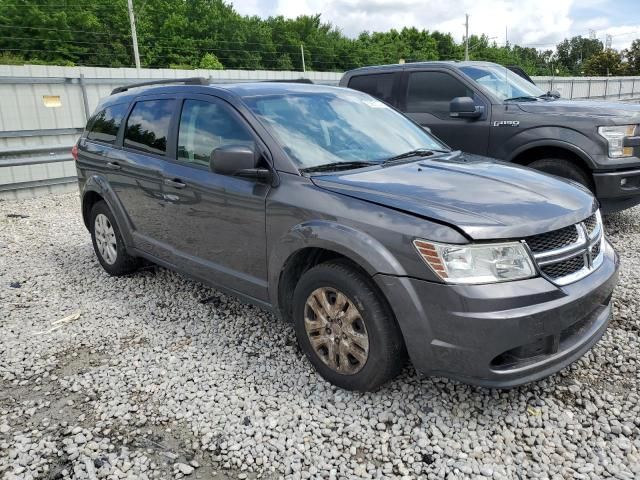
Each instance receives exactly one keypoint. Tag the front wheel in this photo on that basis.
(346, 328)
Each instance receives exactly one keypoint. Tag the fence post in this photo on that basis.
(589, 88)
(633, 88)
(620, 89)
(85, 99)
(571, 94)
(606, 88)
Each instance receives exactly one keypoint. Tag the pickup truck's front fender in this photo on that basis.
(567, 139)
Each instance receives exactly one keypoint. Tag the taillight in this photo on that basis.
(74, 152)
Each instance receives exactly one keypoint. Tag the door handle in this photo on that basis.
(113, 166)
(175, 183)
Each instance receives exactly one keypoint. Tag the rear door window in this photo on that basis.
(147, 127)
(431, 92)
(205, 126)
(104, 125)
(378, 85)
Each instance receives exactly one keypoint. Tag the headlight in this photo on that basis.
(488, 263)
(615, 136)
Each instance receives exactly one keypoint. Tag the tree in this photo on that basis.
(608, 62)
(210, 62)
(632, 55)
(573, 54)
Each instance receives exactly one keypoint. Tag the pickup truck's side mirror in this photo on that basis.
(464, 107)
(238, 160)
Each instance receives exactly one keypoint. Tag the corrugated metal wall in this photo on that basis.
(35, 140)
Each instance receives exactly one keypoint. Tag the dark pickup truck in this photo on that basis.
(487, 109)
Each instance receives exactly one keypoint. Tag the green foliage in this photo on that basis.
(210, 62)
(607, 62)
(632, 56)
(210, 34)
(573, 54)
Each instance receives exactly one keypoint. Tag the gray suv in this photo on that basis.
(487, 109)
(341, 215)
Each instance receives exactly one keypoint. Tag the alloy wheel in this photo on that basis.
(105, 239)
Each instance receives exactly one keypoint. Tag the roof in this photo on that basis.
(413, 65)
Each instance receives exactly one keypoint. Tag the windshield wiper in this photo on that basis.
(420, 152)
(530, 98)
(549, 95)
(328, 167)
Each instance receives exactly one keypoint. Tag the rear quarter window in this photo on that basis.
(104, 125)
(147, 127)
(378, 85)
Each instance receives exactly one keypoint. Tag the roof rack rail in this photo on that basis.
(186, 81)
(291, 80)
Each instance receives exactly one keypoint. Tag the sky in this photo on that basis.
(533, 23)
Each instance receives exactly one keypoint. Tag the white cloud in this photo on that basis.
(536, 23)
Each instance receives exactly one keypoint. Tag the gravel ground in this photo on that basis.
(156, 376)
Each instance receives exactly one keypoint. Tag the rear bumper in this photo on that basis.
(501, 335)
(617, 190)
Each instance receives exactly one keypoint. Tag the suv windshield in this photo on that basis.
(502, 82)
(326, 128)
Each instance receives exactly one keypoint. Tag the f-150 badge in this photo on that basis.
(506, 123)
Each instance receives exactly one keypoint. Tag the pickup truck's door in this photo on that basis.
(426, 99)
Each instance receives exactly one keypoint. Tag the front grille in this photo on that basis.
(553, 240)
(570, 253)
(591, 223)
(562, 269)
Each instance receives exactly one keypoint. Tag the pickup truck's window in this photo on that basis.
(502, 82)
(431, 92)
(105, 124)
(339, 126)
(379, 85)
(147, 127)
(205, 126)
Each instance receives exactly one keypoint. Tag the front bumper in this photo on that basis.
(617, 190)
(505, 334)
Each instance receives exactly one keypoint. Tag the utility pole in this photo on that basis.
(134, 36)
(304, 68)
(466, 37)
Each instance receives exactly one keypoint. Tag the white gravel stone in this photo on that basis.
(149, 376)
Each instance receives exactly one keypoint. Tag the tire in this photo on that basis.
(563, 168)
(104, 230)
(372, 319)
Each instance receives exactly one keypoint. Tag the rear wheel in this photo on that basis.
(346, 328)
(563, 168)
(108, 244)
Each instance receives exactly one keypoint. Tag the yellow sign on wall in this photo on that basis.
(51, 101)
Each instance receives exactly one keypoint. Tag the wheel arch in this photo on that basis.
(551, 149)
(312, 243)
(97, 189)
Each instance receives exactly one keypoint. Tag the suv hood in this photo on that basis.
(484, 198)
(621, 110)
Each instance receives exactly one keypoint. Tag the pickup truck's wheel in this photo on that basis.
(345, 328)
(563, 168)
(108, 244)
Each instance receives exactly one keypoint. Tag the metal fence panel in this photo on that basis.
(44, 108)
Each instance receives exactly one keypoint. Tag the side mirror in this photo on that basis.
(464, 107)
(238, 160)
